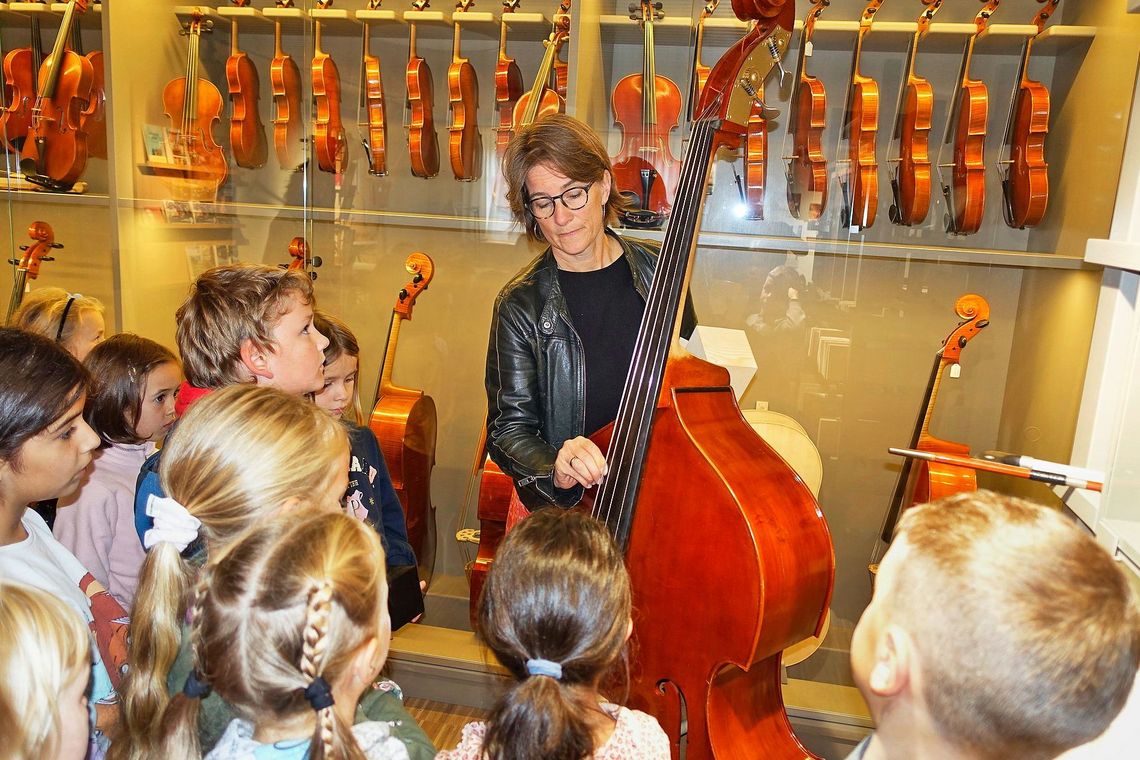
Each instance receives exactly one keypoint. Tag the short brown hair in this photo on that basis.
(566, 145)
(342, 342)
(1029, 631)
(119, 367)
(228, 305)
(45, 312)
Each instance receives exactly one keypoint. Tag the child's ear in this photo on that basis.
(255, 360)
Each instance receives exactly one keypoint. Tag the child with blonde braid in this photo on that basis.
(555, 610)
(290, 628)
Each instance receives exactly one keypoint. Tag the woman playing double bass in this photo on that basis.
(563, 329)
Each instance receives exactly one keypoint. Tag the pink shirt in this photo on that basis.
(637, 736)
(97, 522)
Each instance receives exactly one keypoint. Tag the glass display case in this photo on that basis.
(843, 322)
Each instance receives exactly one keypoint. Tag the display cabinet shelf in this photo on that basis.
(45, 196)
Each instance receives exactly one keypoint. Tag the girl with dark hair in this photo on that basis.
(556, 612)
(131, 407)
(45, 449)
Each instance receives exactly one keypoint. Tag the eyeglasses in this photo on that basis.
(574, 198)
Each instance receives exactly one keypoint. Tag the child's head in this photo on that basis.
(340, 396)
(45, 445)
(71, 319)
(558, 593)
(289, 603)
(247, 323)
(45, 663)
(240, 456)
(135, 382)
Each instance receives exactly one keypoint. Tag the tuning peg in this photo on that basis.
(316, 261)
(24, 248)
(658, 5)
(47, 258)
(57, 245)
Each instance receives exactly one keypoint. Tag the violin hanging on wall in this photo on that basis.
(919, 481)
(194, 106)
(860, 184)
(807, 167)
(28, 265)
(93, 119)
(55, 152)
(910, 178)
(286, 80)
(247, 135)
(329, 142)
(404, 421)
(1025, 174)
(375, 126)
(646, 108)
(423, 146)
(542, 99)
(700, 70)
(464, 146)
(21, 67)
(755, 157)
(508, 84)
(966, 129)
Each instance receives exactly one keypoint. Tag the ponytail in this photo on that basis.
(542, 717)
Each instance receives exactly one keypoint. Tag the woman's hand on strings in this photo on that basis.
(579, 462)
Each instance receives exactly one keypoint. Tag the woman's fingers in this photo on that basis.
(579, 461)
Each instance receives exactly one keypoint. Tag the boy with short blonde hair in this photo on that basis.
(997, 629)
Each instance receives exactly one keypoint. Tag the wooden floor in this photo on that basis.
(442, 722)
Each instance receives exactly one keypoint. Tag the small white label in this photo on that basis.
(955, 370)
(808, 48)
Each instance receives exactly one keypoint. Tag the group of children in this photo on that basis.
(226, 596)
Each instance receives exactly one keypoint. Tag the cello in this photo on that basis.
(286, 80)
(404, 421)
(28, 265)
(860, 185)
(247, 136)
(645, 170)
(807, 168)
(328, 130)
(920, 481)
(508, 84)
(542, 99)
(194, 105)
(910, 180)
(1025, 174)
(302, 258)
(966, 128)
(739, 518)
(375, 126)
(55, 152)
(464, 146)
(423, 147)
(20, 68)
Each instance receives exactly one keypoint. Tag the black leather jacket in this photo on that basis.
(535, 385)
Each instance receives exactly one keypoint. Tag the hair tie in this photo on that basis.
(172, 523)
(319, 694)
(194, 687)
(63, 318)
(544, 668)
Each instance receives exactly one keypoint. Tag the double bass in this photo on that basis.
(329, 142)
(404, 421)
(807, 168)
(55, 151)
(920, 481)
(1025, 174)
(247, 136)
(542, 99)
(464, 146)
(423, 146)
(194, 105)
(21, 67)
(286, 79)
(738, 519)
(375, 126)
(28, 265)
(910, 179)
(965, 193)
(860, 185)
(646, 108)
(508, 83)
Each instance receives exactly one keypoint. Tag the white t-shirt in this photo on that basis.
(42, 562)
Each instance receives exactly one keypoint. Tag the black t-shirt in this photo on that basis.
(606, 312)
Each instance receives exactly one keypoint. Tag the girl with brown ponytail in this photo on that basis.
(555, 610)
(290, 627)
